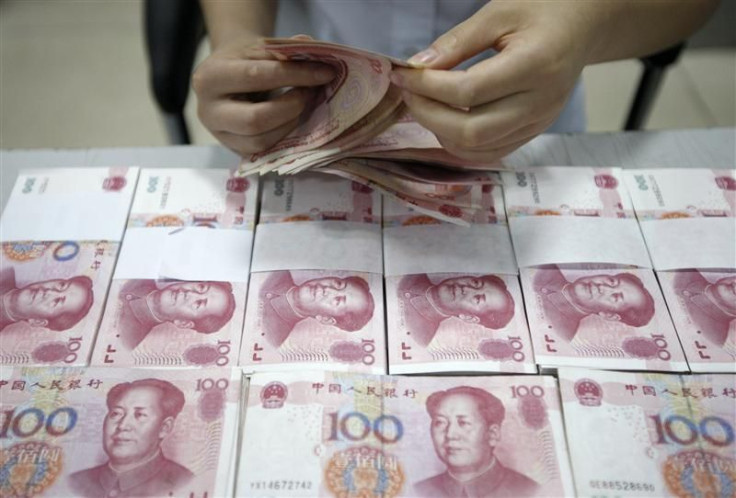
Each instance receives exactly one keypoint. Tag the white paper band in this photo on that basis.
(318, 245)
(543, 240)
(192, 253)
(448, 249)
(691, 243)
(89, 216)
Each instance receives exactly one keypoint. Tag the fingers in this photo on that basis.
(491, 79)
(463, 41)
(250, 119)
(245, 145)
(230, 76)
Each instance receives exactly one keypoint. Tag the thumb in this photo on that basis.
(474, 35)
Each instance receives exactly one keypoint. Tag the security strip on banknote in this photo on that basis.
(61, 232)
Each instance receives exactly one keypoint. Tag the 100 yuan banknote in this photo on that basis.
(317, 197)
(488, 200)
(52, 297)
(311, 319)
(682, 193)
(646, 434)
(171, 323)
(359, 435)
(189, 197)
(600, 318)
(457, 323)
(703, 306)
(566, 191)
(115, 432)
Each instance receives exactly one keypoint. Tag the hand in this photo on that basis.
(499, 104)
(231, 84)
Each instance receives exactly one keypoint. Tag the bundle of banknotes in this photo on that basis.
(222, 374)
(357, 127)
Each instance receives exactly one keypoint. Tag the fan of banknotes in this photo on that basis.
(359, 128)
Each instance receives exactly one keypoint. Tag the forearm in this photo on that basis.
(238, 19)
(621, 29)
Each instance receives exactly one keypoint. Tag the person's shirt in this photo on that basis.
(399, 28)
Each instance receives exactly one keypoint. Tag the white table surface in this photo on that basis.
(697, 148)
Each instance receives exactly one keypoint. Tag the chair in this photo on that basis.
(174, 29)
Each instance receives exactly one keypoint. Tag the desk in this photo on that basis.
(701, 148)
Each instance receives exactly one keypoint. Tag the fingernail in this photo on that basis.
(396, 78)
(424, 57)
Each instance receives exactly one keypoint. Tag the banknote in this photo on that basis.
(488, 198)
(51, 181)
(703, 306)
(566, 191)
(682, 192)
(316, 197)
(314, 319)
(178, 197)
(361, 82)
(360, 435)
(53, 294)
(600, 317)
(116, 432)
(647, 434)
(454, 322)
(171, 323)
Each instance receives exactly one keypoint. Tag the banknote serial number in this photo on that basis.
(283, 485)
(622, 485)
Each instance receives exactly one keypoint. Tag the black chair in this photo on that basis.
(175, 28)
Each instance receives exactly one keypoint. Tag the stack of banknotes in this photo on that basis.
(357, 127)
(172, 332)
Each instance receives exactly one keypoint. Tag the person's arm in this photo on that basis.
(231, 82)
(503, 102)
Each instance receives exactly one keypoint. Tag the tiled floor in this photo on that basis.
(74, 74)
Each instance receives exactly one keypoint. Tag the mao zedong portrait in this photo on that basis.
(465, 429)
(204, 307)
(711, 306)
(55, 304)
(140, 415)
(345, 303)
(617, 298)
(483, 300)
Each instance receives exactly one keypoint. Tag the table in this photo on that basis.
(697, 148)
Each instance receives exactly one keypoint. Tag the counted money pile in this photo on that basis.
(305, 336)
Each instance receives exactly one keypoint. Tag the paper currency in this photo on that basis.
(116, 432)
(178, 197)
(164, 309)
(646, 434)
(356, 435)
(311, 319)
(703, 306)
(455, 322)
(488, 198)
(53, 295)
(566, 191)
(682, 193)
(317, 197)
(600, 317)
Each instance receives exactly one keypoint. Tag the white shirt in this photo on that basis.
(399, 28)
